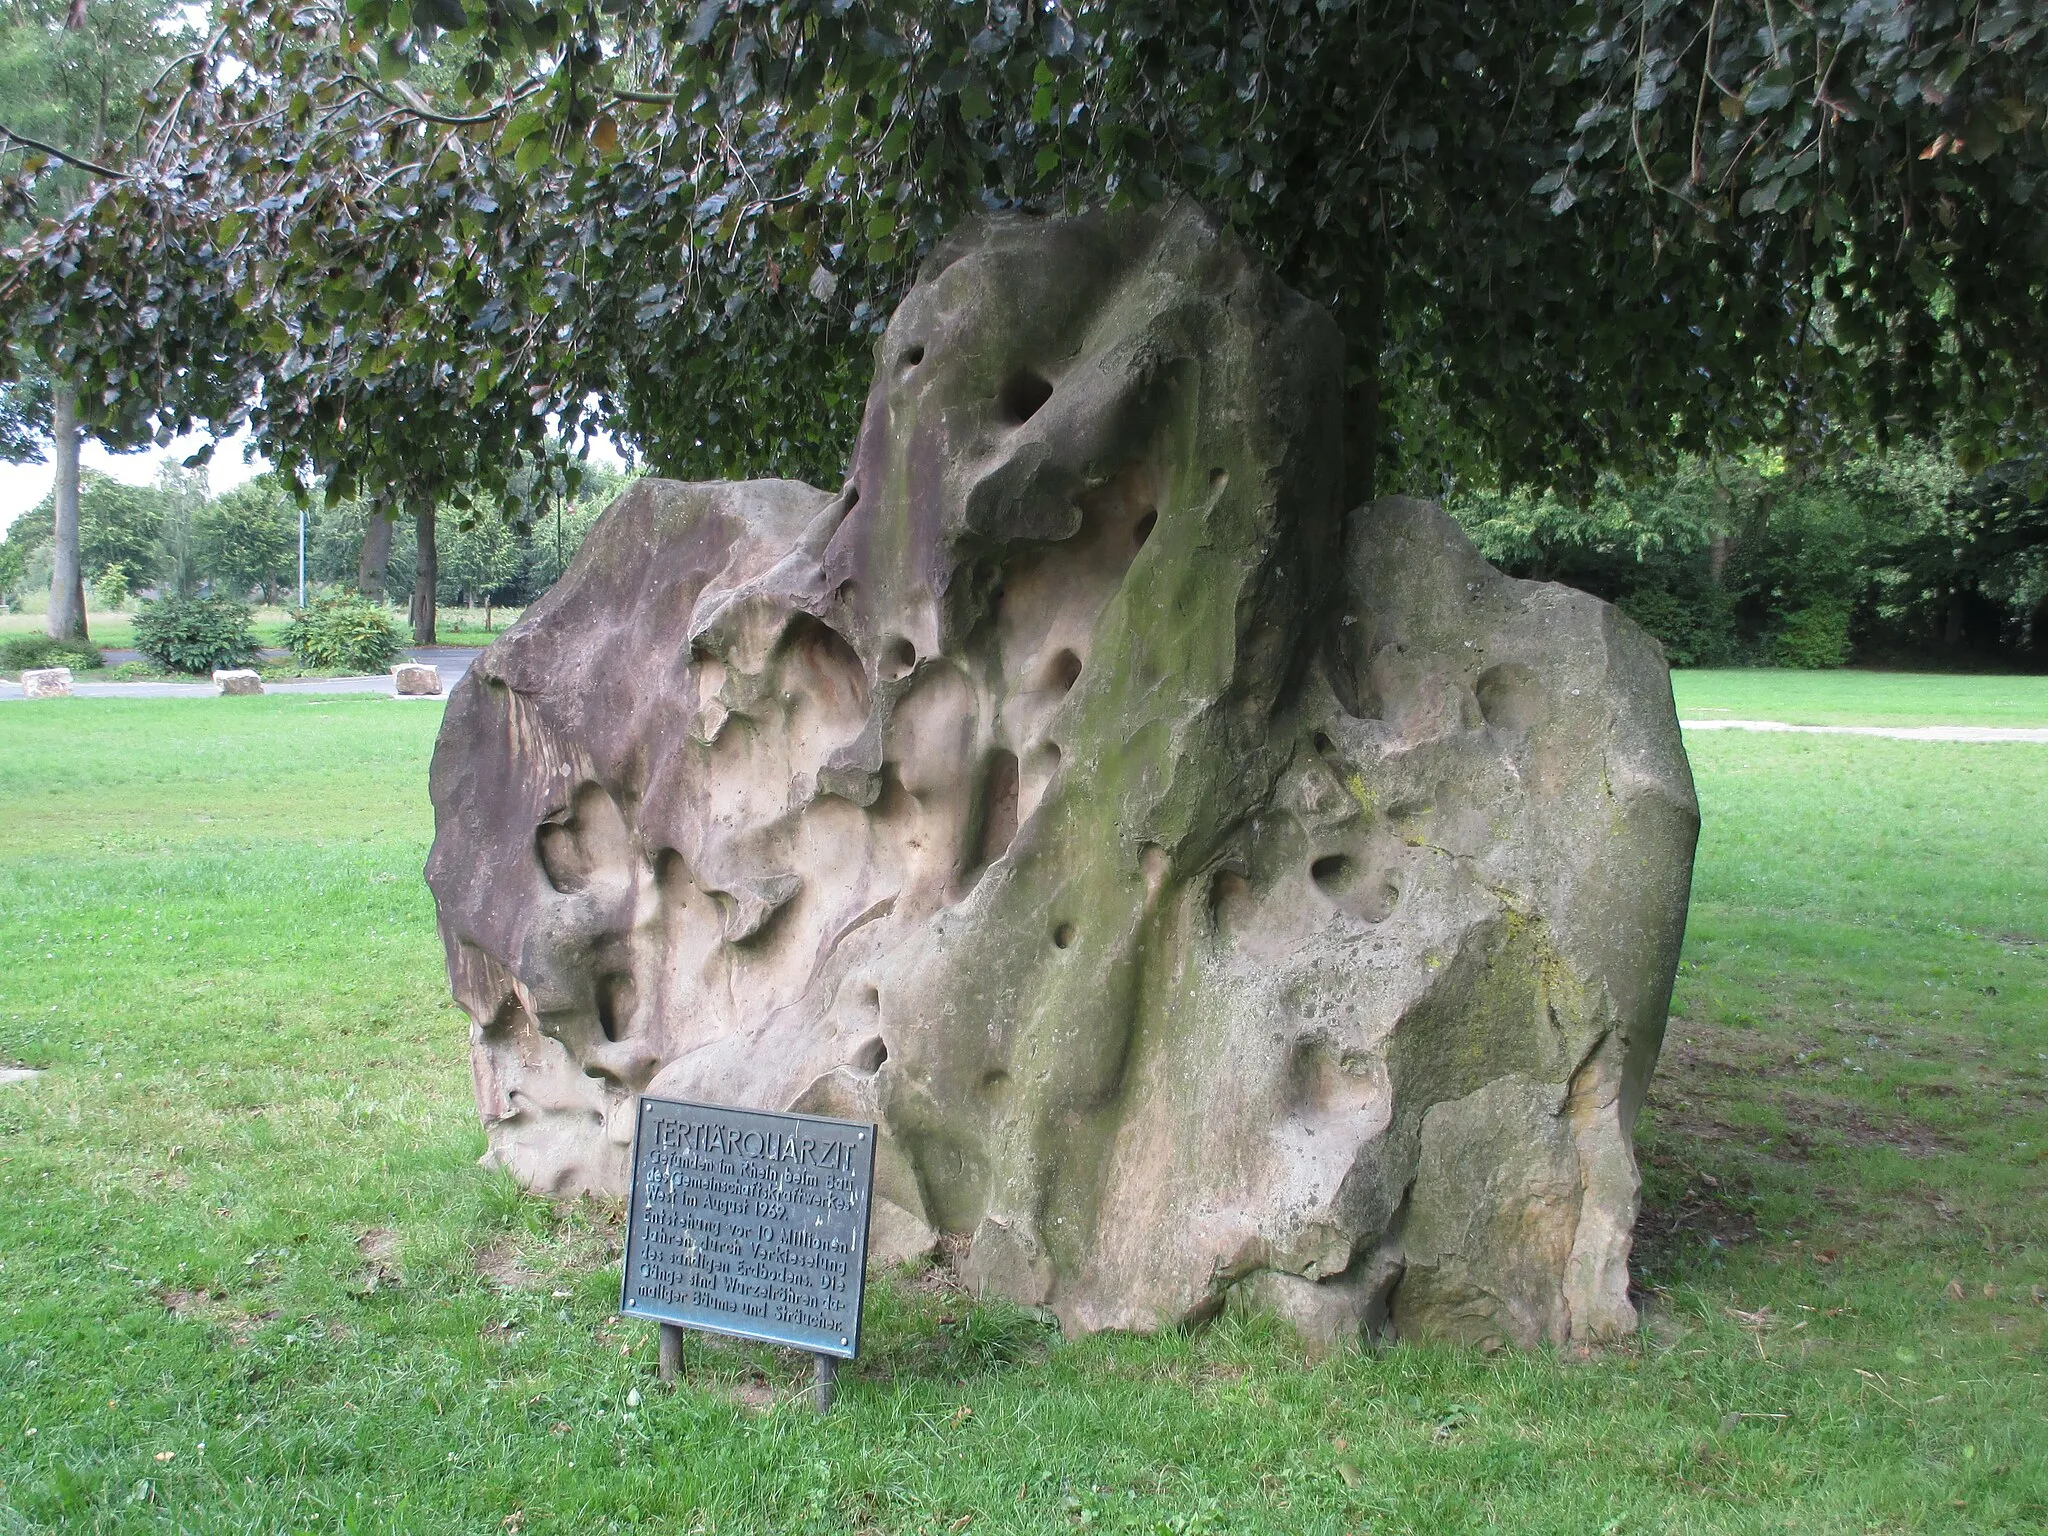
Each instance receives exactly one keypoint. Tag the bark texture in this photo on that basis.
(1211, 896)
(66, 617)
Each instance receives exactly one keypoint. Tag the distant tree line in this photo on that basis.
(1893, 558)
(172, 538)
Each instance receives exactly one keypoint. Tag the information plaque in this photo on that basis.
(750, 1224)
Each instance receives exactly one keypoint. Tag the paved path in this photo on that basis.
(18, 1075)
(451, 659)
(1982, 733)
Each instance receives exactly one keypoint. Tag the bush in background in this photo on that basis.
(346, 630)
(20, 653)
(1895, 557)
(195, 634)
(1816, 636)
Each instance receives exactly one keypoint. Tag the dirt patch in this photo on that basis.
(503, 1268)
(241, 1326)
(1704, 1213)
(380, 1272)
(187, 1303)
(1858, 1128)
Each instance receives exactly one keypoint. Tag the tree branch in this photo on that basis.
(68, 158)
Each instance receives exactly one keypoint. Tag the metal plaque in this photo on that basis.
(750, 1224)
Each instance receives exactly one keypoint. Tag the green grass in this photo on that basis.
(1854, 697)
(241, 1224)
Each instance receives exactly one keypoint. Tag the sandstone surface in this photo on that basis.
(237, 681)
(46, 683)
(1211, 896)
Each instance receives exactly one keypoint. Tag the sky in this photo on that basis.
(24, 485)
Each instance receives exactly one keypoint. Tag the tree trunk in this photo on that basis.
(376, 556)
(427, 570)
(1717, 557)
(66, 619)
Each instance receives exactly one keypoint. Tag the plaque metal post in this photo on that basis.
(751, 1224)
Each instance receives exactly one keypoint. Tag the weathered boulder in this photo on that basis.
(1209, 895)
(237, 681)
(416, 680)
(46, 683)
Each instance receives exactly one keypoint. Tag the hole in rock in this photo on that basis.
(1022, 397)
(1063, 936)
(872, 996)
(1143, 530)
(1230, 896)
(899, 657)
(1323, 743)
(869, 1055)
(1066, 671)
(1219, 478)
(616, 995)
(1332, 871)
(912, 355)
(1510, 697)
(819, 663)
(560, 858)
(995, 1083)
(582, 842)
(998, 807)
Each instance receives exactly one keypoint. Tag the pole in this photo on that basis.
(302, 557)
(671, 1352)
(824, 1378)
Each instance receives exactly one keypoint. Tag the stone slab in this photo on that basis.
(46, 683)
(416, 680)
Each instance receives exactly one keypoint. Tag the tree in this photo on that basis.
(482, 559)
(247, 537)
(71, 78)
(402, 244)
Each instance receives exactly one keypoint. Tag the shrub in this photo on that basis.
(345, 631)
(1816, 636)
(110, 588)
(195, 634)
(22, 652)
(1696, 626)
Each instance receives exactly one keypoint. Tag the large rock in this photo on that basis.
(1208, 894)
(46, 683)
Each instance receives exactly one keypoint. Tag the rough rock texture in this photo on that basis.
(1208, 894)
(238, 681)
(416, 679)
(46, 683)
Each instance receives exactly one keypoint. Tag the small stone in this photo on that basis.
(416, 680)
(46, 683)
(237, 680)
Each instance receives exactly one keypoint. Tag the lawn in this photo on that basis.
(1854, 697)
(251, 1279)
